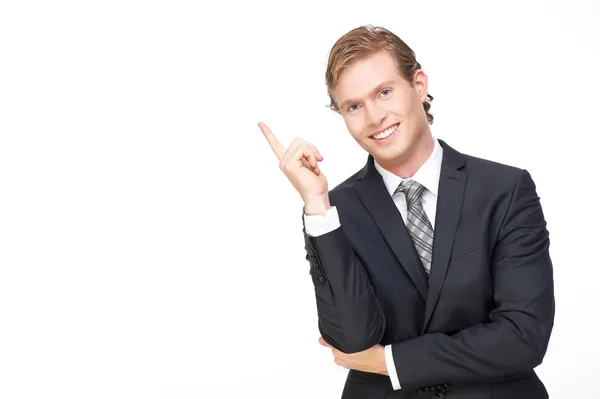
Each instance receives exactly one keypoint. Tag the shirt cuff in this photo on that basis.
(391, 367)
(317, 225)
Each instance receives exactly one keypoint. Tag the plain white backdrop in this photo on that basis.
(151, 248)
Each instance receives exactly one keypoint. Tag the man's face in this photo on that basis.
(383, 111)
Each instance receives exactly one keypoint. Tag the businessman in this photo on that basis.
(431, 267)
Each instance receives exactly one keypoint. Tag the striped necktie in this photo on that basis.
(417, 223)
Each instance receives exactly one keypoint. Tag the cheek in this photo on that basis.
(417, 106)
(398, 107)
(405, 103)
(409, 112)
(354, 126)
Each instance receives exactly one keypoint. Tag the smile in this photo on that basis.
(386, 133)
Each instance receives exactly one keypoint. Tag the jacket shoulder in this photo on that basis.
(494, 172)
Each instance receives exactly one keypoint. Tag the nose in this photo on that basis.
(376, 115)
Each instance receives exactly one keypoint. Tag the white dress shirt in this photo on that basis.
(428, 175)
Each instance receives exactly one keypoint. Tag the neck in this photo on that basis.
(407, 166)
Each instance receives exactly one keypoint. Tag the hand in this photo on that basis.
(299, 164)
(371, 360)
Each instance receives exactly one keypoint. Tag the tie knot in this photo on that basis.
(412, 190)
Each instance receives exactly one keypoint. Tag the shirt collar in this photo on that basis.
(428, 174)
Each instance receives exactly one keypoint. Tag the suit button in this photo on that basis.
(420, 390)
(322, 279)
(440, 392)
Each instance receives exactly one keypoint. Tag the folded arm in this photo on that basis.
(520, 325)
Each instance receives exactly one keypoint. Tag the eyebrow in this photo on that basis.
(375, 90)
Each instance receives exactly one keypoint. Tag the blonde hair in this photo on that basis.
(360, 43)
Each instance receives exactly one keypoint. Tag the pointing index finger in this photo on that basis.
(276, 146)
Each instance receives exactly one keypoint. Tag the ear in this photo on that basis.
(420, 83)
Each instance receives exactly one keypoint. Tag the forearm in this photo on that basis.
(483, 352)
(350, 316)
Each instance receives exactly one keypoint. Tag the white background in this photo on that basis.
(151, 248)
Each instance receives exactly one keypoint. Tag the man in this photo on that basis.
(431, 267)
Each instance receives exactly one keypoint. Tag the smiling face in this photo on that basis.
(383, 111)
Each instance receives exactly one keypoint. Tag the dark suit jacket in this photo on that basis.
(480, 324)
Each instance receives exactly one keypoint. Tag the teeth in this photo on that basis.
(385, 133)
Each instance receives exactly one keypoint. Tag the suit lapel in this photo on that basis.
(380, 205)
(449, 203)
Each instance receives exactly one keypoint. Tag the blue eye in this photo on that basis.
(351, 108)
(385, 92)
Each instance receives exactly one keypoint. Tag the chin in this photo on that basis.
(396, 153)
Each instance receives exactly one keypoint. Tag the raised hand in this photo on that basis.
(299, 163)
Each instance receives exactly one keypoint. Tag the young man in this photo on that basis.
(431, 267)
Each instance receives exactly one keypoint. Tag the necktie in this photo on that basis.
(417, 223)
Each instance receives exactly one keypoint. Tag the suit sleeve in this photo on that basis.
(516, 337)
(350, 317)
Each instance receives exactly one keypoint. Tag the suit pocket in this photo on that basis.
(467, 241)
(464, 252)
